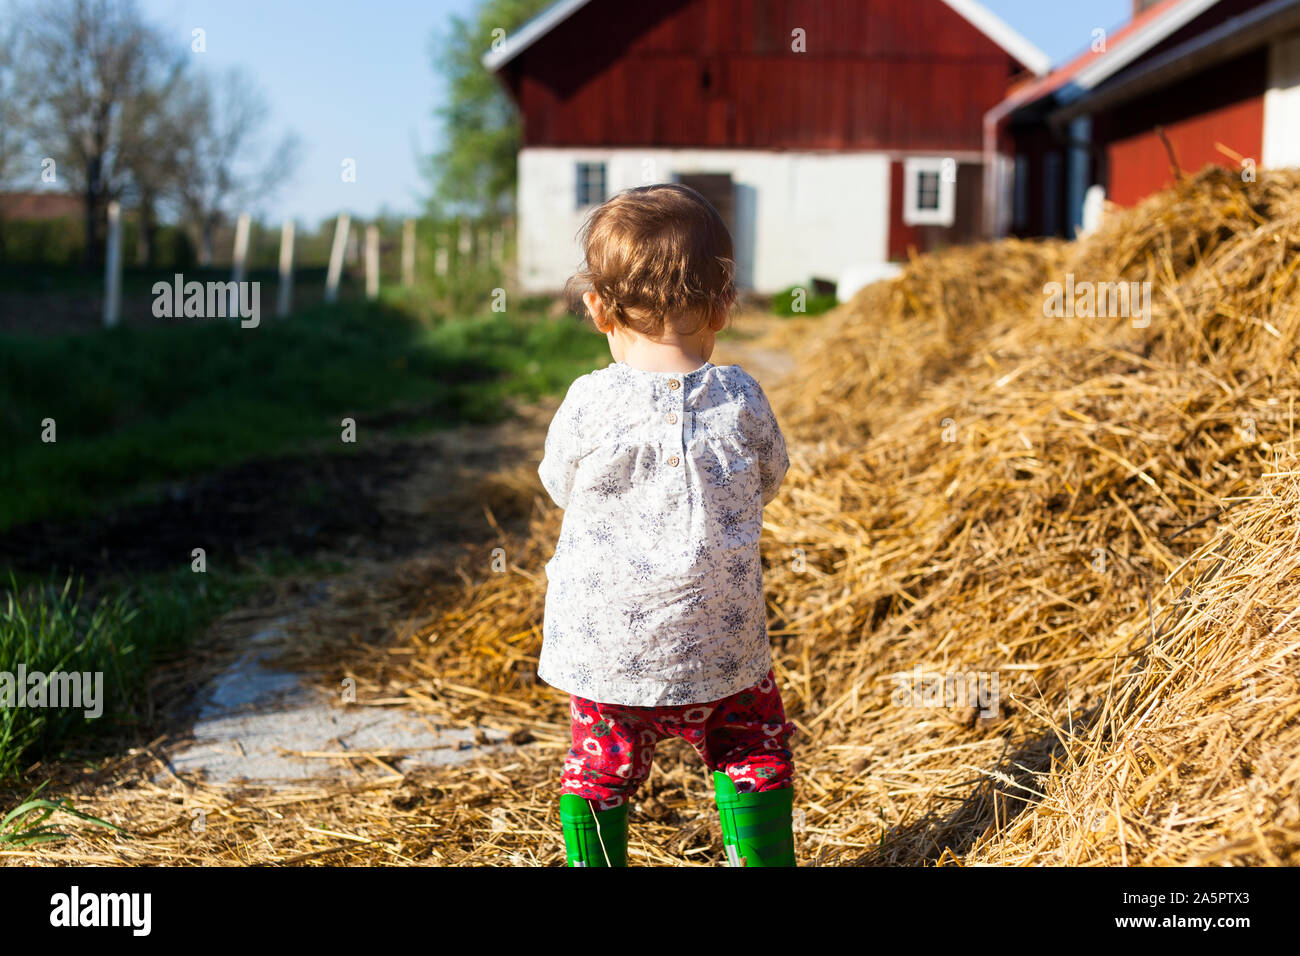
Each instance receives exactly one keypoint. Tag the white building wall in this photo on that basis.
(1282, 104)
(798, 215)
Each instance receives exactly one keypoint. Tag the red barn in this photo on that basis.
(1186, 82)
(37, 205)
(831, 134)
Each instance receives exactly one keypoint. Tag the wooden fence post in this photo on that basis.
(336, 258)
(240, 261)
(442, 253)
(499, 246)
(464, 245)
(284, 301)
(372, 261)
(113, 266)
(408, 252)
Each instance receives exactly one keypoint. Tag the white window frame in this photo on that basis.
(913, 166)
(604, 175)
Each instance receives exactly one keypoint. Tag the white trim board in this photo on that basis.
(1134, 46)
(531, 32)
(997, 30)
(1230, 38)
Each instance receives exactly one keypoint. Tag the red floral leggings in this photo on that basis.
(746, 735)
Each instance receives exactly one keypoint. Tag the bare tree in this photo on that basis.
(85, 60)
(14, 109)
(225, 165)
(11, 110)
(153, 137)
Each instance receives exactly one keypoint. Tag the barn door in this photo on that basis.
(718, 189)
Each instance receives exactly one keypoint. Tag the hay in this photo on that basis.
(1105, 517)
(1090, 462)
(1090, 466)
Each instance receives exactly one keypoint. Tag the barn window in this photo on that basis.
(591, 184)
(929, 190)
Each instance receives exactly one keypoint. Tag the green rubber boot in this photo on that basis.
(593, 837)
(757, 828)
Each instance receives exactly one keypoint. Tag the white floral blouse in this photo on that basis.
(655, 591)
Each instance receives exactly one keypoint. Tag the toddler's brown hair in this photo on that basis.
(657, 256)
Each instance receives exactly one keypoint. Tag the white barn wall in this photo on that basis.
(1282, 104)
(798, 214)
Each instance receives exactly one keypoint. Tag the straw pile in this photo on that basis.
(980, 491)
(1101, 514)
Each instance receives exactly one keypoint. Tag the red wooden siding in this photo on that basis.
(1140, 165)
(901, 235)
(40, 205)
(877, 74)
(1224, 104)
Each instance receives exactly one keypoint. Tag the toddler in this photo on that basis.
(655, 621)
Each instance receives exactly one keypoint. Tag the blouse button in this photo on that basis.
(672, 418)
(674, 461)
(674, 384)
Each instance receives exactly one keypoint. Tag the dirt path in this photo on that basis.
(257, 722)
(752, 348)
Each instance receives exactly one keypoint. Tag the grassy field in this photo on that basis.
(134, 406)
(51, 626)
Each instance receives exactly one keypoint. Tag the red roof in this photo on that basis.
(1034, 88)
(39, 205)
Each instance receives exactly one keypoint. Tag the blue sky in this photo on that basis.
(356, 79)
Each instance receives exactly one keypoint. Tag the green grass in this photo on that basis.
(42, 631)
(49, 626)
(783, 303)
(25, 824)
(135, 406)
